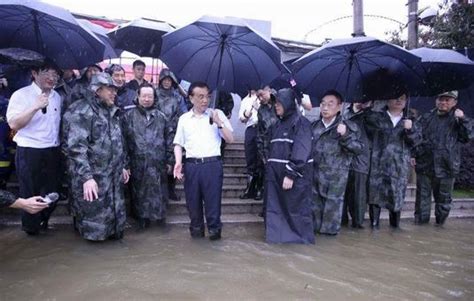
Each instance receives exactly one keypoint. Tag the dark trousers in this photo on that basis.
(38, 171)
(355, 198)
(441, 188)
(251, 152)
(203, 188)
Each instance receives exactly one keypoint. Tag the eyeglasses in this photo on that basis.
(51, 74)
(328, 105)
(202, 96)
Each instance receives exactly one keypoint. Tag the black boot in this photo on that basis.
(259, 188)
(249, 192)
(374, 214)
(440, 219)
(394, 219)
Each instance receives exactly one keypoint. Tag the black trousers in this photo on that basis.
(203, 190)
(355, 198)
(39, 173)
(251, 152)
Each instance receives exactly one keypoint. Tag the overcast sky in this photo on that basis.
(291, 19)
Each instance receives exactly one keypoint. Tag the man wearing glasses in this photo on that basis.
(199, 132)
(34, 113)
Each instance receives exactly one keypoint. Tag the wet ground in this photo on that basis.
(413, 263)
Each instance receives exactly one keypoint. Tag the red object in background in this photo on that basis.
(105, 24)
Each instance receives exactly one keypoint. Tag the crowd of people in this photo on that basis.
(104, 137)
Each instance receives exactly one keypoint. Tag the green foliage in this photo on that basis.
(452, 28)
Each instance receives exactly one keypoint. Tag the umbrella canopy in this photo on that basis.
(226, 53)
(49, 30)
(19, 56)
(140, 36)
(101, 34)
(344, 64)
(443, 70)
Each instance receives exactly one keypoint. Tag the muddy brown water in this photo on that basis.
(413, 263)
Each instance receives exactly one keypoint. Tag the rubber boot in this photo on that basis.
(374, 214)
(249, 192)
(394, 219)
(259, 187)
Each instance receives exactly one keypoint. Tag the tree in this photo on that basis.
(452, 28)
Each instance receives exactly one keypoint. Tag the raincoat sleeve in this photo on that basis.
(351, 140)
(6, 198)
(169, 136)
(260, 136)
(301, 149)
(265, 137)
(413, 136)
(125, 137)
(465, 129)
(77, 145)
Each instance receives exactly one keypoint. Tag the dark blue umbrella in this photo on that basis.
(443, 70)
(344, 64)
(140, 36)
(49, 30)
(101, 34)
(226, 53)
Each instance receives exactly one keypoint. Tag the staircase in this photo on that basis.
(234, 210)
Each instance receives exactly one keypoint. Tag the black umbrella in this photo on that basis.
(443, 70)
(101, 34)
(344, 64)
(140, 36)
(49, 30)
(22, 57)
(226, 53)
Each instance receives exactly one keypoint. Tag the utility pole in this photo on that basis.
(412, 24)
(358, 18)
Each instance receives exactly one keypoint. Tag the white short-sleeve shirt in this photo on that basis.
(247, 106)
(43, 129)
(198, 136)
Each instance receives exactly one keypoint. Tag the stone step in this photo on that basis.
(234, 168)
(229, 206)
(233, 152)
(235, 179)
(234, 158)
(228, 191)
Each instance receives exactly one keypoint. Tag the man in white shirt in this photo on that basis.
(248, 115)
(34, 112)
(200, 131)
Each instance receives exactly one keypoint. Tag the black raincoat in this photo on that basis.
(288, 216)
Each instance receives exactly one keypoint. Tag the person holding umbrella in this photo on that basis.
(355, 197)
(335, 142)
(393, 135)
(34, 112)
(200, 132)
(438, 157)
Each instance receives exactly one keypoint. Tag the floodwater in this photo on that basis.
(413, 263)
